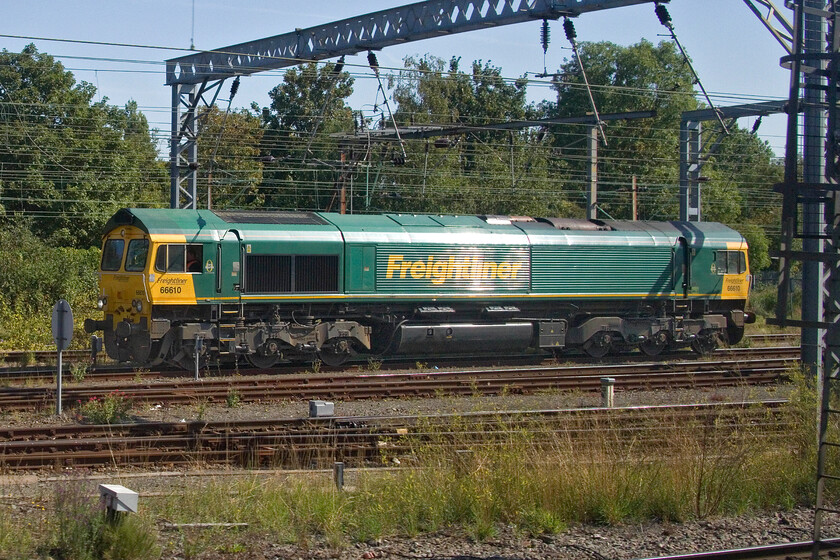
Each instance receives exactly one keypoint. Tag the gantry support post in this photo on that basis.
(592, 172)
(813, 160)
(690, 171)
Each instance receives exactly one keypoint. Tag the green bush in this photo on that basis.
(113, 408)
(34, 277)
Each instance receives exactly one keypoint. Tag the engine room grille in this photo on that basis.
(317, 273)
(283, 218)
(270, 274)
(283, 274)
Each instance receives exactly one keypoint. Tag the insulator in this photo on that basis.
(663, 15)
(234, 87)
(372, 62)
(756, 124)
(569, 28)
(545, 35)
(339, 66)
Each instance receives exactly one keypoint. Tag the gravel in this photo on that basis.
(645, 540)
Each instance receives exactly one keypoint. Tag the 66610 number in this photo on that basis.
(170, 289)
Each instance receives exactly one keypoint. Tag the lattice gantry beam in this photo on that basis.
(775, 22)
(372, 31)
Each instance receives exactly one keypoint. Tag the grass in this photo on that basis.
(233, 398)
(113, 408)
(536, 479)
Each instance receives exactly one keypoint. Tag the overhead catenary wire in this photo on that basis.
(665, 20)
(374, 65)
(571, 35)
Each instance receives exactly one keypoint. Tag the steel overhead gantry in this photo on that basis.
(692, 157)
(197, 79)
(775, 22)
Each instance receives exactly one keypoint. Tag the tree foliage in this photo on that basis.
(229, 154)
(489, 169)
(34, 276)
(66, 160)
(641, 77)
(305, 109)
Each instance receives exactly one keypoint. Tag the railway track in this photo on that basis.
(359, 441)
(788, 551)
(113, 372)
(45, 361)
(732, 368)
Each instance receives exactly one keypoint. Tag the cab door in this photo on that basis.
(682, 263)
(228, 268)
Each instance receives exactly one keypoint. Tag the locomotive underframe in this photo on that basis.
(265, 333)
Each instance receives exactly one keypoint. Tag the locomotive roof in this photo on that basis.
(417, 226)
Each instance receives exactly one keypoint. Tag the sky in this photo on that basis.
(736, 58)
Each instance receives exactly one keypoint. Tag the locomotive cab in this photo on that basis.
(124, 296)
(732, 266)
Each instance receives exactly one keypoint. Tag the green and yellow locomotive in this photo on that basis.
(307, 285)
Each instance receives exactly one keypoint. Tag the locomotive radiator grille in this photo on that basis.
(283, 274)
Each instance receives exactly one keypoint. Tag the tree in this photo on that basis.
(483, 171)
(66, 161)
(738, 177)
(229, 154)
(305, 109)
(641, 77)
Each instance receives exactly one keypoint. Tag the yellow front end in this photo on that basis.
(139, 271)
(124, 293)
(736, 277)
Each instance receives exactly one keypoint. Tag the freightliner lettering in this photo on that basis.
(441, 270)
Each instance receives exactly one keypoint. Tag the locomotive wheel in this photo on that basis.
(734, 334)
(598, 345)
(654, 345)
(262, 361)
(705, 344)
(335, 352)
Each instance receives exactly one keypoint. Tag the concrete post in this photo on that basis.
(607, 392)
(338, 475)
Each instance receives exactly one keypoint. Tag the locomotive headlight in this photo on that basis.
(100, 303)
(138, 305)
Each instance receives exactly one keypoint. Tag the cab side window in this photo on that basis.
(160, 258)
(194, 258)
(179, 258)
(138, 250)
(730, 262)
(112, 254)
(175, 260)
(720, 263)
